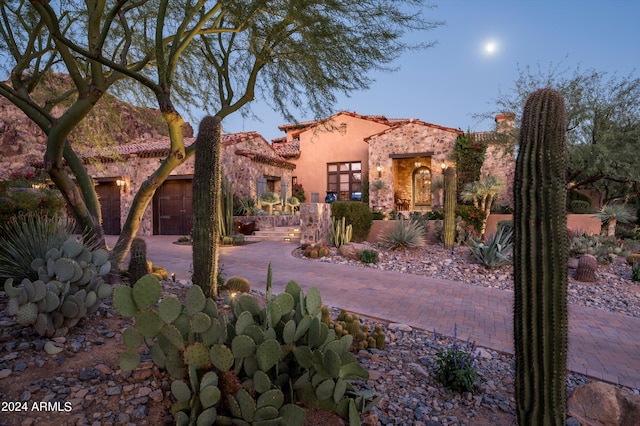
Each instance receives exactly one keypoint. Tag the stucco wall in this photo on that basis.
(339, 140)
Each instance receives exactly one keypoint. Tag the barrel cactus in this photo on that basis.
(449, 225)
(138, 265)
(70, 285)
(540, 262)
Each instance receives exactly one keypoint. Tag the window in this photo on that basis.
(345, 179)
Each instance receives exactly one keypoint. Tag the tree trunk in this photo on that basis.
(207, 181)
(611, 227)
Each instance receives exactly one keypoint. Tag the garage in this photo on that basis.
(172, 212)
(109, 197)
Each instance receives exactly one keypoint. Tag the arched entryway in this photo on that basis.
(421, 187)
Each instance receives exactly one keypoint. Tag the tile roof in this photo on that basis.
(306, 124)
(400, 124)
(286, 149)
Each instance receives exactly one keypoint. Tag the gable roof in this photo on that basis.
(161, 147)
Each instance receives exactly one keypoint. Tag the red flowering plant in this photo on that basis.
(298, 192)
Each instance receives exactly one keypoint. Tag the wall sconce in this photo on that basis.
(443, 165)
(379, 169)
(122, 183)
(417, 164)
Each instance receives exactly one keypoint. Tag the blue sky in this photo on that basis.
(457, 78)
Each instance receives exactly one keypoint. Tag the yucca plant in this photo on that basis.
(28, 236)
(496, 252)
(406, 233)
(612, 214)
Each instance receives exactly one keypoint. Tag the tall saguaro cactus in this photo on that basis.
(449, 225)
(540, 262)
(207, 181)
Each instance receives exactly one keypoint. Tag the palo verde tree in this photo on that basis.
(212, 55)
(603, 125)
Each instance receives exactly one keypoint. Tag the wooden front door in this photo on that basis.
(172, 210)
(109, 196)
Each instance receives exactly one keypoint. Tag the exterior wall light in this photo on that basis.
(379, 169)
(443, 165)
(122, 183)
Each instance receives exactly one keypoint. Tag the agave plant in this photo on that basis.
(406, 233)
(29, 236)
(496, 252)
(612, 214)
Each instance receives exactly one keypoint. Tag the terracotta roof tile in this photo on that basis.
(306, 124)
(290, 149)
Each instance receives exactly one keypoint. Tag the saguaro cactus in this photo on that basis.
(207, 180)
(540, 262)
(449, 225)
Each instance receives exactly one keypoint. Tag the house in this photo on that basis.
(400, 161)
(248, 161)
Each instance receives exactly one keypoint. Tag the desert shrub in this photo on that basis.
(356, 214)
(395, 215)
(635, 272)
(456, 366)
(472, 216)
(378, 215)
(604, 248)
(405, 234)
(434, 215)
(580, 207)
(298, 191)
(369, 256)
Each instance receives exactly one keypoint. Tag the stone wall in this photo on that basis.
(502, 166)
(241, 170)
(315, 223)
(431, 145)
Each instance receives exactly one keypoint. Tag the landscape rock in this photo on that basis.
(602, 404)
(351, 250)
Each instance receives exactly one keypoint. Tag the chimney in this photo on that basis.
(504, 122)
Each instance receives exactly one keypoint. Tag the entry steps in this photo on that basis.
(277, 233)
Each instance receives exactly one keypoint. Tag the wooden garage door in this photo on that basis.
(109, 196)
(172, 213)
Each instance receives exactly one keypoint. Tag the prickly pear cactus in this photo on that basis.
(69, 287)
(540, 262)
(237, 370)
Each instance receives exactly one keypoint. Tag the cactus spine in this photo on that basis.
(540, 262)
(207, 181)
(449, 225)
(225, 209)
(138, 266)
(341, 232)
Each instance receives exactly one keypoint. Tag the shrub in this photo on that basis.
(378, 215)
(298, 191)
(406, 233)
(356, 214)
(456, 367)
(604, 248)
(472, 216)
(495, 253)
(580, 207)
(369, 256)
(18, 200)
(635, 272)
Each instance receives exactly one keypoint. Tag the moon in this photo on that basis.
(490, 47)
